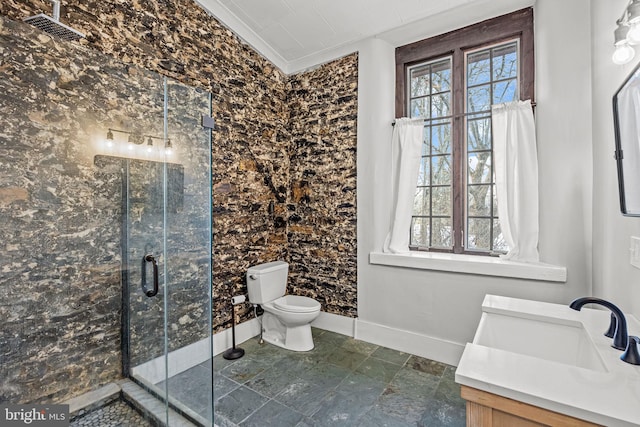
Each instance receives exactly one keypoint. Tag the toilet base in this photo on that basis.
(295, 338)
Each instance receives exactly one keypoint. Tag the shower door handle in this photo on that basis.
(145, 259)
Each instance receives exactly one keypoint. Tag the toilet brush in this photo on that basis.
(234, 352)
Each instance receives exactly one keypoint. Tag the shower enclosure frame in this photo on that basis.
(207, 125)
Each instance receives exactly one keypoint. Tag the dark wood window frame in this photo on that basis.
(515, 25)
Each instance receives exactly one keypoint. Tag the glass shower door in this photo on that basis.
(167, 229)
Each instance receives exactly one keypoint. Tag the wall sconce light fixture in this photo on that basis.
(627, 33)
(109, 138)
(135, 138)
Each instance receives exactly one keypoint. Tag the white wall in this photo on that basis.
(613, 277)
(580, 224)
(444, 308)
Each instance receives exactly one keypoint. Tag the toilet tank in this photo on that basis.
(267, 282)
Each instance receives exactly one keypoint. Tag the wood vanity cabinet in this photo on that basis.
(490, 410)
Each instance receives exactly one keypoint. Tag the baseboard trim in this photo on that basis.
(191, 355)
(244, 331)
(335, 323)
(184, 358)
(409, 342)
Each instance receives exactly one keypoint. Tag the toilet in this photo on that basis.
(286, 321)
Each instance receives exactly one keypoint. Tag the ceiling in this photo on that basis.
(295, 33)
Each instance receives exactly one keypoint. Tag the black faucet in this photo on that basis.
(631, 354)
(620, 337)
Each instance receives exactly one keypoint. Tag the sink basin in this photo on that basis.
(555, 342)
(554, 358)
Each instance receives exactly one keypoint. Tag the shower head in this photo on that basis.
(52, 24)
(53, 27)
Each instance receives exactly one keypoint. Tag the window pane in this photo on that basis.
(424, 172)
(421, 202)
(440, 105)
(479, 200)
(420, 107)
(479, 99)
(441, 170)
(420, 81)
(505, 62)
(499, 245)
(441, 237)
(478, 68)
(495, 201)
(420, 232)
(426, 141)
(441, 139)
(479, 168)
(492, 78)
(506, 91)
(441, 77)
(479, 134)
(441, 201)
(479, 233)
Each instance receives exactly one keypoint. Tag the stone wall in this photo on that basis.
(322, 218)
(282, 142)
(60, 280)
(61, 210)
(179, 39)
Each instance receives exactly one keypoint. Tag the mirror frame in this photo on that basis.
(619, 154)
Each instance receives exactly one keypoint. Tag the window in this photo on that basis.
(429, 97)
(451, 81)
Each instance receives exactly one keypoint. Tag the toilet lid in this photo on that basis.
(296, 304)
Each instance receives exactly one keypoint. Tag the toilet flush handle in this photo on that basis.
(252, 277)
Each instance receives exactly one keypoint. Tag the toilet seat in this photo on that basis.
(296, 304)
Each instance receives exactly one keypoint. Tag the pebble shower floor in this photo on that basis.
(115, 414)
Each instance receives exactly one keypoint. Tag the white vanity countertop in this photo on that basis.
(610, 398)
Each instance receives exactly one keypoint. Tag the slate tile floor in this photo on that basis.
(341, 382)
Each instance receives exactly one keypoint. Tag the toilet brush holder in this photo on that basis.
(234, 352)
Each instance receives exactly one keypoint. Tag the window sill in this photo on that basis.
(470, 264)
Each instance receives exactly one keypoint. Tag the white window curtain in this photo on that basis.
(406, 152)
(516, 169)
